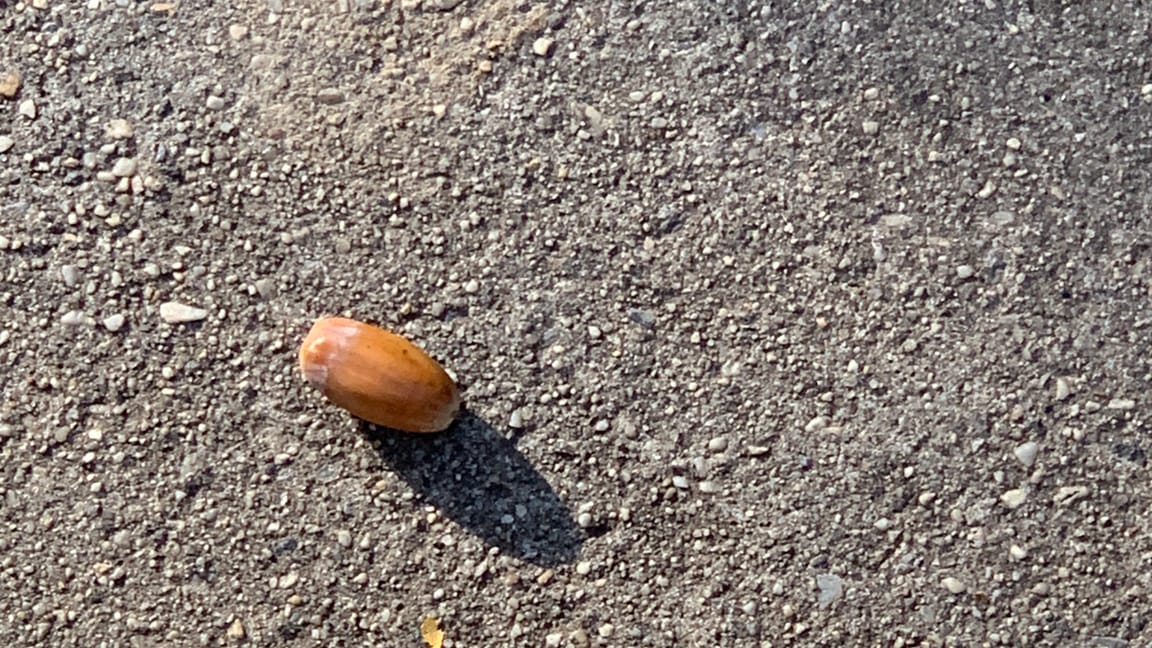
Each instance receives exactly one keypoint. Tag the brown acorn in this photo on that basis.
(378, 376)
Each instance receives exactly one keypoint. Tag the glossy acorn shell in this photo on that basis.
(378, 376)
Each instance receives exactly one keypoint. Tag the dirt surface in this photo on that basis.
(777, 323)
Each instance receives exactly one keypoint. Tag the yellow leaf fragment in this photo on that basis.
(430, 630)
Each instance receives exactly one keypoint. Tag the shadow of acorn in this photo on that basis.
(478, 479)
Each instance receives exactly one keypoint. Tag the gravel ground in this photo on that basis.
(777, 323)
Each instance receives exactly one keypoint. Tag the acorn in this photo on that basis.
(378, 376)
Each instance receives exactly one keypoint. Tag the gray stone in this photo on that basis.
(831, 587)
(1026, 453)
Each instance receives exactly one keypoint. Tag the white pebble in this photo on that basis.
(1026, 453)
(114, 322)
(1014, 498)
(1017, 552)
(70, 274)
(177, 313)
(870, 127)
(516, 421)
(954, 585)
(124, 168)
(1063, 391)
(28, 109)
(965, 271)
(718, 444)
(542, 46)
(118, 129)
(816, 424)
(1121, 404)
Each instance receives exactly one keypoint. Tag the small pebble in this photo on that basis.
(6, 143)
(606, 630)
(987, 190)
(330, 96)
(1014, 498)
(177, 313)
(708, 487)
(266, 288)
(118, 129)
(516, 421)
(1063, 391)
(28, 109)
(680, 482)
(816, 424)
(542, 46)
(70, 274)
(583, 568)
(1017, 552)
(344, 538)
(601, 426)
(10, 85)
(237, 32)
(1121, 404)
(1066, 495)
(883, 524)
(73, 318)
(718, 444)
(954, 585)
(553, 640)
(584, 520)
(236, 630)
(124, 168)
(870, 127)
(965, 271)
(1013, 143)
(214, 103)
(114, 322)
(644, 318)
(1026, 453)
(472, 286)
(831, 587)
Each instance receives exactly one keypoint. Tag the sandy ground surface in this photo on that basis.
(778, 323)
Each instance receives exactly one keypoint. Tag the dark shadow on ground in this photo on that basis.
(477, 478)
